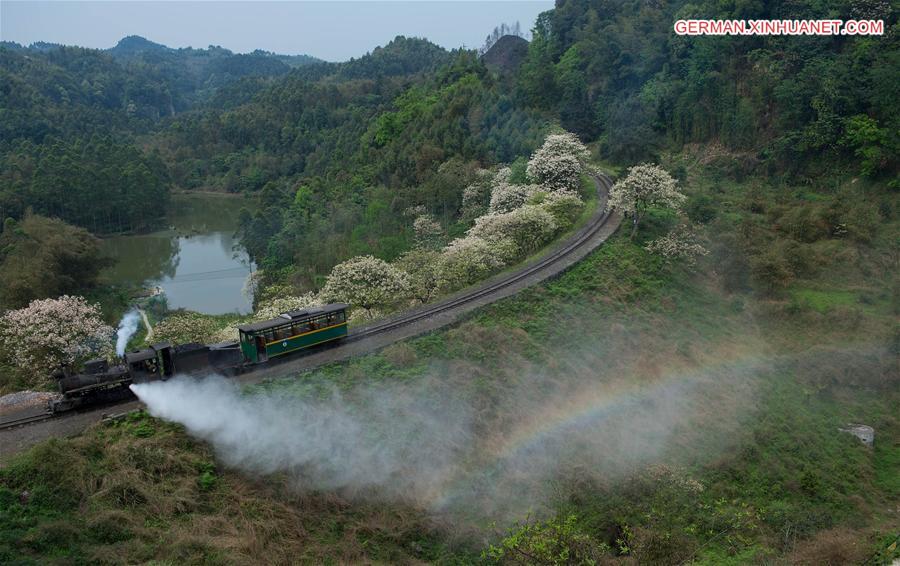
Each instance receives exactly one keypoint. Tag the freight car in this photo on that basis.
(257, 344)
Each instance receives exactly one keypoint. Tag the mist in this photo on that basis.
(434, 444)
(127, 327)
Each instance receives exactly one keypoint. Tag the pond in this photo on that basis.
(196, 261)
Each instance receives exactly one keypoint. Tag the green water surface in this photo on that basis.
(194, 258)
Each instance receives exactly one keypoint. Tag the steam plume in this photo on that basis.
(127, 327)
(428, 445)
(385, 441)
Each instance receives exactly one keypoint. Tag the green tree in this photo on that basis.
(44, 257)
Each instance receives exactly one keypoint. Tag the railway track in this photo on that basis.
(424, 313)
(603, 184)
(22, 421)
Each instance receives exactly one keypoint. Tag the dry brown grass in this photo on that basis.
(833, 547)
(135, 496)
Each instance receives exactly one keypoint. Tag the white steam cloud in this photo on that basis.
(443, 445)
(127, 327)
(385, 441)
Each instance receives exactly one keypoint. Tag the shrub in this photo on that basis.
(806, 223)
(476, 195)
(271, 308)
(557, 541)
(700, 209)
(564, 206)
(110, 527)
(771, 270)
(421, 267)
(506, 197)
(861, 220)
(428, 231)
(681, 243)
(469, 259)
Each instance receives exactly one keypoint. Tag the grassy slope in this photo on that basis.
(757, 469)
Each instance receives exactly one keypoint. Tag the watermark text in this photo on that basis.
(779, 27)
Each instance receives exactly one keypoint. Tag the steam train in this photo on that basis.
(258, 343)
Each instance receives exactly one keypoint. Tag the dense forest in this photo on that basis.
(615, 71)
(336, 151)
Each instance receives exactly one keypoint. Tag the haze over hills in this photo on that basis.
(136, 45)
(194, 69)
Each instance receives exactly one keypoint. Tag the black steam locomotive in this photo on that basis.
(257, 343)
(101, 382)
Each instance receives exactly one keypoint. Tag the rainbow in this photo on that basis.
(586, 409)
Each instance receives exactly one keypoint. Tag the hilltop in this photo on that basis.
(506, 54)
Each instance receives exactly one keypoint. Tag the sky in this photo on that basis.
(334, 31)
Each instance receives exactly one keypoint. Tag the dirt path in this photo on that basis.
(149, 338)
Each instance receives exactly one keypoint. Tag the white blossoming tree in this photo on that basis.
(528, 227)
(506, 197)
(476, 195)
(681, 243)
(466, 260)
(646, 185)
(428, 232)
(367, 282)
(184, 327)
(49, 333)
(564, 206)
(422, 269)
(267, 309)
(558, 164)
(273, 307)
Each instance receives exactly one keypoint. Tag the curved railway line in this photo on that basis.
(20, 430)
(490, 288)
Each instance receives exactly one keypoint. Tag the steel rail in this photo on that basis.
(562, 252)
(22, 421)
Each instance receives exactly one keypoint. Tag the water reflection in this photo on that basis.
(196, 261)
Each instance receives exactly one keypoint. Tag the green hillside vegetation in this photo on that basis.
(42, 257)
(757, 471)
(639, 408)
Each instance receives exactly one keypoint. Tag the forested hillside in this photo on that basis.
(367, 137)
(336, 152)
(72, 119)
(615, 71)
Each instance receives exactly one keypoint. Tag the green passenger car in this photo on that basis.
(292, 331)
